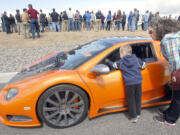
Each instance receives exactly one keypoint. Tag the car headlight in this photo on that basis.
(11, 93)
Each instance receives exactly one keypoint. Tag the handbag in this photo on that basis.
(175, 80)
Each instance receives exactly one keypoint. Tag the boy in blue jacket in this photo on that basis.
(130, 66)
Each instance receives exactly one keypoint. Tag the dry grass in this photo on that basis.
(64, 38)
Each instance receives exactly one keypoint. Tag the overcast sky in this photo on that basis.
(165, 7)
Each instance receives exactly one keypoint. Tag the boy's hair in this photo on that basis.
(126, 50)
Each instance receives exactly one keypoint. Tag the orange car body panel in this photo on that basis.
(106, 92)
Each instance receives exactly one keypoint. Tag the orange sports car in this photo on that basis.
(62, 88)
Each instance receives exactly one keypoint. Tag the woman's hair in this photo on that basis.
(119, 12)
(161, 27)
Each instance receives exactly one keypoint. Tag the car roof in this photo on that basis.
(115, 40)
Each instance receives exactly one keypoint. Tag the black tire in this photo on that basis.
(63, 106)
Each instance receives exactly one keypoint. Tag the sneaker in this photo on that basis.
(134, 120)
(170, 124)
(161, 120)
(138, 116)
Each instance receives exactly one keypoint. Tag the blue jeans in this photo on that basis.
(102, 26)
(108, 27)
(118, 25)
(173, 112)
(77, 25)
(4, 27)
(49, 26)
(129, 25)
(136, 25)
(88, 25)
(133, 25)
(70, 24)
(42, 26)
(56, 25)
(34, 22)
(145, 25)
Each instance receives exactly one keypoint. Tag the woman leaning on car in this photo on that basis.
(168, 32)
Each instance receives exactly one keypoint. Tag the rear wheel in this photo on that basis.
(63, 106)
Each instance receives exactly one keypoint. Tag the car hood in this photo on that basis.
(45, 64)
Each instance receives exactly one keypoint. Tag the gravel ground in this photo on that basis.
(13, 59)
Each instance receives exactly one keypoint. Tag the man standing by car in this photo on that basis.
(55, 20)
(70, 20)
(146, 19)
(19, 21)
(98, 20)
(13, 27)
(3, 23)
(7, 22)
(25, 21)
(88, 20)
(169, 37)
(123, 20)
(34, 20)
(42, 20)
(65, 21)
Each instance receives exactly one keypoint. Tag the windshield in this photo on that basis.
(81, 54)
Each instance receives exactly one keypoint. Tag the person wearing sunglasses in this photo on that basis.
(168, 32)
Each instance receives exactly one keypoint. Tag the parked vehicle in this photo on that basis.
(63, 88)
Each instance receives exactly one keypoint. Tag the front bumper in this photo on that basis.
(18, 117)
(18, 113)
(19, 124)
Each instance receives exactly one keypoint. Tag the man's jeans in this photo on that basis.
(77, 25)
(42, 26)
(108, 27)
(49, 26)
(129, 25)
(4, 27)
(34, 22)
(88, 25)
(56, 25)
(173, 112)
(136, 25)
(145, 26)
(133, 25)
(13, 28)
(102, 26)
(70, 24)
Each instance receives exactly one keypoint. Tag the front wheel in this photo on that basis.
(63, 106)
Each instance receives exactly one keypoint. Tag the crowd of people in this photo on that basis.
(31, 20)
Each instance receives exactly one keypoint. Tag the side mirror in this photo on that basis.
(100, 69)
